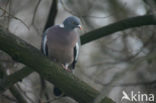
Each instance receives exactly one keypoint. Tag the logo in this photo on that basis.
(137, 96)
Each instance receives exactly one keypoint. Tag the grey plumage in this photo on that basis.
(61, 43)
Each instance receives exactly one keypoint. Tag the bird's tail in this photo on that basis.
(57, 91)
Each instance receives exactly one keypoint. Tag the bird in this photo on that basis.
(61, 44)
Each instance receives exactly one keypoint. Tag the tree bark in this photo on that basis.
(11, 79)
(22, 52)
(30, 56)
(13, 89)
(118, 26)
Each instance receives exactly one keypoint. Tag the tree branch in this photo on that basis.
(9, 43)
(30, 56)
(49, 22)
(52, 15)
(13, 89)
(26, 71)
(17, 94)
(11, 79)
(118, 26)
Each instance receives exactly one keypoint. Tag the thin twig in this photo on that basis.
(96, 17)
(146, 43)
(9, 9)
(25, 95)
(8, 98)
(148, 83)
(52, 100)
(4, 12)
(66, 9)
(35, 10)
(85, 16)
(34, 16)
(10, 15)
(144, 83)
(17, 94)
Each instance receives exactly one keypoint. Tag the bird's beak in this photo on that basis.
(80, 27)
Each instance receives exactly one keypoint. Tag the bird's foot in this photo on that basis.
(66, 68)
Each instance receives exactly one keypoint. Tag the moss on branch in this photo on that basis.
(30, 56)
(22, 52)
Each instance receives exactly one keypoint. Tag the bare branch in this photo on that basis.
(35, 10)
(21, 51)
(52, 100)
(9, 98)
(14, 78)
(17, 94)
(10, 15)
(118, 26)
(145, 83)
(13, 89)
(66, 9)
(52, 14)
(25, 95)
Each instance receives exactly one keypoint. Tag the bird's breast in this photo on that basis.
(60, 47)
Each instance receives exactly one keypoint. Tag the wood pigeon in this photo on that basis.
(61, 44)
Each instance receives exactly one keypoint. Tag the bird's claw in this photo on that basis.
(66, 68)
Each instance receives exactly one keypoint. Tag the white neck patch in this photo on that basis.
(61, 25)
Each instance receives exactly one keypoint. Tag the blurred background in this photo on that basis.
(112, 64)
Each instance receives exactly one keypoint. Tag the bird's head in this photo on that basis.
(71, 23)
